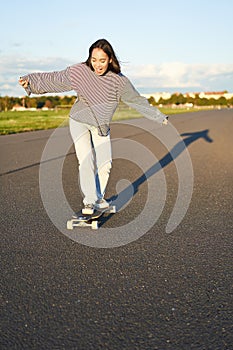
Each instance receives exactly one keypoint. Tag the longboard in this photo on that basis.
(89, 220)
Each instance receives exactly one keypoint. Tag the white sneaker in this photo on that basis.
(88, 209)
(101, 204)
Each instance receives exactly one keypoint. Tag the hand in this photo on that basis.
(23, 82)
(165, 121)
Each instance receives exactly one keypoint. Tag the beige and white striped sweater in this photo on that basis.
(97, 95)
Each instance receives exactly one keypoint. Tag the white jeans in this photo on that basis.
(94, 155)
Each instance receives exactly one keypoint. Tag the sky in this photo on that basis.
(174, 46)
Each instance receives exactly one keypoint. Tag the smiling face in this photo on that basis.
(99, 61)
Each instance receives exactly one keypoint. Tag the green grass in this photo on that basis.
(13, 122)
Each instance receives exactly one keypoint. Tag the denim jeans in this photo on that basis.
(94, 155)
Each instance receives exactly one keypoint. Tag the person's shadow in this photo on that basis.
(126, 195)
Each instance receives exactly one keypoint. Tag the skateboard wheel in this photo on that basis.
(94, 225)
(113, 209)
(69, 225)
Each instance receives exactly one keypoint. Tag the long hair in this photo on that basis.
(103, 44)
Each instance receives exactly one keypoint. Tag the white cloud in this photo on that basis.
(182, 75)
(157, 77)
(12, 67)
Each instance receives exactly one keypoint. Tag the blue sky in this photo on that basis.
(162, 45)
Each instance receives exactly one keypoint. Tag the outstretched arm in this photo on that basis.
(132, 98)
(41, 83)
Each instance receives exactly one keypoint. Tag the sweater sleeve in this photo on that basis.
(132, 98)
(41, 83)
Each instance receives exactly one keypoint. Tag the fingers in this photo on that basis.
(23, 82)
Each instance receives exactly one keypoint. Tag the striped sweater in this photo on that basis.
(97, 95)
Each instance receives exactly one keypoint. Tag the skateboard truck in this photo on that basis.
(85, 220)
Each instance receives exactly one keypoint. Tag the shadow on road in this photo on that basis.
(37, 164)
(126, 195)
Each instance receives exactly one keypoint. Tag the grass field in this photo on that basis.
(13, 122)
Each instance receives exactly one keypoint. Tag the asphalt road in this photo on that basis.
(159, 290)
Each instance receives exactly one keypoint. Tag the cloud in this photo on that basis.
(171, 76)
(12, 67)
(182, 75)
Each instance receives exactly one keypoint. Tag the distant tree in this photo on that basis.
(177, 99)
(161, 101)
(196, 100)
(212, 101)
(151, 101)
(222, 101)
(7, 103)
(66, 101)
(31, 102)
(230, 101)
(40, 104)
(172, 99)
(202, 102)
(1, 104)
(190, 99)
(180, 99)
(48, 103)
(56, 100)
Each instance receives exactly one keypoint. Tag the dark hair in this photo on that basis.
(103, 44)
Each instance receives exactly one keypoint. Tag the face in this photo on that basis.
(99, 61)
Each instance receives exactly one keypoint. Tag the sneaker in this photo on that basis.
(101, 204)
(88, 209)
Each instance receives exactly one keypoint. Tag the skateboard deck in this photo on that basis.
(89, 220)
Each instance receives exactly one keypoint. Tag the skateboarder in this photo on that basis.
(100, 86)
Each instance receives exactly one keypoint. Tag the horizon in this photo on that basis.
(142, 92)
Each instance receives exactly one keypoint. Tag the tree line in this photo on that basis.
(180, 99)
(7, 103)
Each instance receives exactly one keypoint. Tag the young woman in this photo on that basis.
(100, 86)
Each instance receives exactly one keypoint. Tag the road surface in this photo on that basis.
(161, 290)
